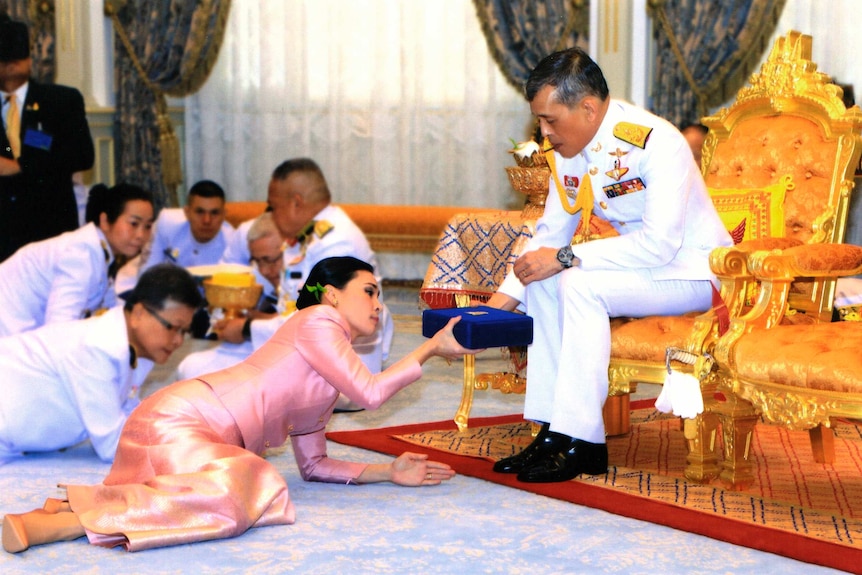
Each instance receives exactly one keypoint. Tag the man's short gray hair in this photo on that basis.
(263, 227)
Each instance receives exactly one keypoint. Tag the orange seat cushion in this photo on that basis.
(646, 339)
(825, 356)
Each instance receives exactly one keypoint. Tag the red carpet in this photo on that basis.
(797, 508)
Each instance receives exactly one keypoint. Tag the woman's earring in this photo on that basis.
(334, 302)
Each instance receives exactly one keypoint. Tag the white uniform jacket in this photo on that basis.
(66, 383)
(344, 239)
(62, 278)
(236, 251)
(653, 196)
(173, 242)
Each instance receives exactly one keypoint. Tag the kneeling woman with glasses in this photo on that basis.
(66, 382)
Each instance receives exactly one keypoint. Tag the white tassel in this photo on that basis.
(681, 395)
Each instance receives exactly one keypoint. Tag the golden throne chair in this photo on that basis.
(791, 120)
(779, 161)
(797, 375)
(788, 123)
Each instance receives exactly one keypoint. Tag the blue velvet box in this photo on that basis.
(481, 327)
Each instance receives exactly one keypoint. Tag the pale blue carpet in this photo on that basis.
(465, 526)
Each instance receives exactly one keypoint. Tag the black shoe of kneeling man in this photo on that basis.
(545, 442)
(578, 456)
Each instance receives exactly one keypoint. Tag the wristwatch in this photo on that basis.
(566, 258)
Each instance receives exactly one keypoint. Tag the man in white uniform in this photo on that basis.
(635, 170)
(194, 235)
(313, 229)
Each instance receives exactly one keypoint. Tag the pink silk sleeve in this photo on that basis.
(314, 465)
(322, 344)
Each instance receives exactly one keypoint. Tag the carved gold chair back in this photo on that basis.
(789, 122)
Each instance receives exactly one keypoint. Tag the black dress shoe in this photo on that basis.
(546, 441)
(578, 457)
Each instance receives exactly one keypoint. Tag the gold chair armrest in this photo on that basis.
(775, 271)
(809, 260)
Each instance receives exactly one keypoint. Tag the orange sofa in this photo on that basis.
(389, 228)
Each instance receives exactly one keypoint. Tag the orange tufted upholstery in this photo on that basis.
(392, 228)
(762, 149)
(822, 357)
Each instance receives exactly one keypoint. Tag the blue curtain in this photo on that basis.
(522, 32)
(39, 17)
(163, 47)
(705, 51)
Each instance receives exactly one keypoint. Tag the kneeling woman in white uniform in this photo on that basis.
(80, 379)
(69, 277)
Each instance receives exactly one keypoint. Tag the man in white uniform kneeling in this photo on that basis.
(309, 229)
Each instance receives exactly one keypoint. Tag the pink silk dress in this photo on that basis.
(189, 467)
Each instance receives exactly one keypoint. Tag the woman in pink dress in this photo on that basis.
(189, 465)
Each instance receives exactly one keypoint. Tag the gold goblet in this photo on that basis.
(234, 300)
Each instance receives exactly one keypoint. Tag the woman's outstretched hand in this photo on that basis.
(414, 469)
(445, 344)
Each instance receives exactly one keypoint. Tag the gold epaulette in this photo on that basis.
(322, 227)
(317, 227)
(633, 134)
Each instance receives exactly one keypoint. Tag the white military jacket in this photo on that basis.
(654, 196)
(62, 278)
(344, 238)
(173, 242)
(64, 383)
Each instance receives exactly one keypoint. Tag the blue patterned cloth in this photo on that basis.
(474, 253)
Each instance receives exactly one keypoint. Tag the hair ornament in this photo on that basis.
(317, 290)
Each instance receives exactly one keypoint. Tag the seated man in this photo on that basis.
(194, 235)
(236, 251)
(311, 229)
(266, 248)
(636, 171)
(695, 134)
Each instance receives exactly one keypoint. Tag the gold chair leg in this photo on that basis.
(822, 444)
(702, 458)
(463, 413)
(738, 418)
(617, 415)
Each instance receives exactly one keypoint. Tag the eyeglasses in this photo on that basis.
(165, 323)
(266, 261)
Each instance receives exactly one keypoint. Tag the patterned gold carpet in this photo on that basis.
(796, 507)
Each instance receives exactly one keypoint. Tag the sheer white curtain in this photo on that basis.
(397, 100)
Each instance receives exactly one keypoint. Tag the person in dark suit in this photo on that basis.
(49, 141)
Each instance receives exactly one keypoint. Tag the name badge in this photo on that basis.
(37, 139)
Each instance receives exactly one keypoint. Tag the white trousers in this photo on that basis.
(567, 368)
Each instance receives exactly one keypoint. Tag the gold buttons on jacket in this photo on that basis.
(604, 205)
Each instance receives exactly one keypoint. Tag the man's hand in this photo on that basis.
(230, 330)
(9, 167)
(537, 265)
(501, 301)
(255, 314)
